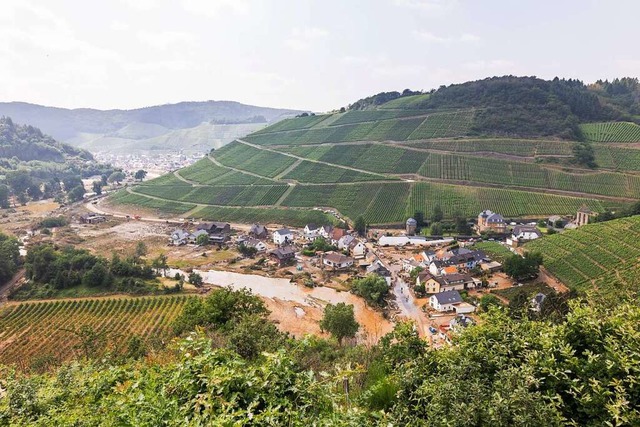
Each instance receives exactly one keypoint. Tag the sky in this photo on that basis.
(312, 55)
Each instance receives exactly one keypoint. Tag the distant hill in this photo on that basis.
(396, 154)
(133, 129)
(26, 143)
(26, 148)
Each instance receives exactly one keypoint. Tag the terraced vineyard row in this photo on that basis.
(163, 207)
(392, 202)
(290, 217)
(205, 172)
(611, 132)
(231, 195)
(352, 117)
(444, 125)
(515, 147)
(311, 172)
(435, 125)
(406, 102)
(510, 203)
(295, 123)
(592, 252)
(244, 157)
(495, 171)
(44, 330)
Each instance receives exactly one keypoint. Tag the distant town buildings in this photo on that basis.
(491, 221)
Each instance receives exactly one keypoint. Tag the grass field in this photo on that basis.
(47, 332)
(405, 102)
(611, 132)
(495, 250)
(592, 252)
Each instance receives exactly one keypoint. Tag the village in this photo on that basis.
(436, 282)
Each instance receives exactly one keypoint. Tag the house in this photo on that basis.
(283, 255)
(491, 267)
(92, 218)
(336, 235)
(282, 236)
(218, 231)
(215, 228)
(411, 226)
(536, 302)
(258, 231)
(451, 282)
(465, 258)
(337, 261)
(522, 234)
(428, 256)
(193, 238)
(584, 215)
(357, 249)
(258, 245)
(436, 266)
(345, 241)
(326, 231)
(378, 268)
(460, 321)
(464, 308)
(556, 221)
(179, 237)
(450, 269)
(445, 301)
(411, 264)
(491, 221)
(311, 231)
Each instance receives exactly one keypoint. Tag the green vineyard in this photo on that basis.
(611, 132)
(51, 331)
(386, 163)
(593, 252)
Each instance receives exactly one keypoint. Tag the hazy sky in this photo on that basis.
(316, 55)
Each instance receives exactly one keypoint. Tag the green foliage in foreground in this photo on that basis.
(581, 371)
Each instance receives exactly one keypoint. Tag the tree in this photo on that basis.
(4, 197)
(141, 250)
(19, 181)
(521, 268)
(462, 226)
(360, 225)
(419, 217)
(159, 263)
(195, 279)
(202, 240)
(76, 194)
(9, 257)
(437, 215)
(140, 174)
(34, 191)
(373, 289)
(487, 301)
(96, 186)
(116, 177)
(71, 182)
(98, 276)
(519, 305)
(339, 320)
(247, 251)
(436, 229)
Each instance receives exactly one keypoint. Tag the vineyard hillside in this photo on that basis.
(388, 156)
(593, 254)
(47, 333)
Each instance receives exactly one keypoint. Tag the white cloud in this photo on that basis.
(469, 38)
(430, 37)
(427, 5)
(303, 38)
(119, 26)
(165, 39)
(213, 8)
(493, 65)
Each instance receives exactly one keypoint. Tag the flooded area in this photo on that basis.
(300, 302)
